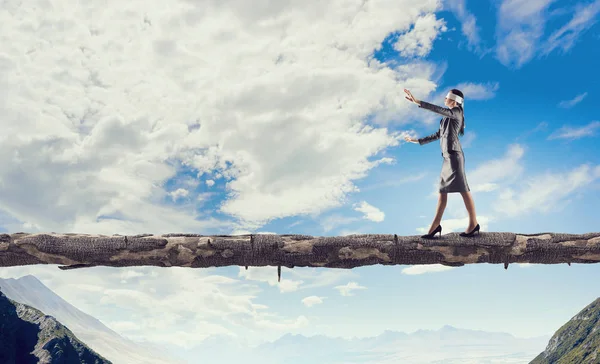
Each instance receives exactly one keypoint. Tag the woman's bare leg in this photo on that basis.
(441, 206)
(470, 205)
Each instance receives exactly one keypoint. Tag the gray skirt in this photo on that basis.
(453, 177)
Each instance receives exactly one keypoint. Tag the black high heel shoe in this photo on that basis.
(476, 229)
(438, 229)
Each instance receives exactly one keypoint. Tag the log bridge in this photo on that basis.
(72, 250)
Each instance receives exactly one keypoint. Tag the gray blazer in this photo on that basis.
(449, 127)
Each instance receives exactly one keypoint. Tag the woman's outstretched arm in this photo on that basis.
(429, 138)
(454, 113)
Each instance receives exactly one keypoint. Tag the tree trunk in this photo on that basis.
(197, 251)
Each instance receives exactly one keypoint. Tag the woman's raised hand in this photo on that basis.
(411, 140)
(410, 97)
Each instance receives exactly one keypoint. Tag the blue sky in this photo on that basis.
(192, 126)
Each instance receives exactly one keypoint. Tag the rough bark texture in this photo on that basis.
(196, 251)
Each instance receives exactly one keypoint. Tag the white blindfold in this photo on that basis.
(454, 97)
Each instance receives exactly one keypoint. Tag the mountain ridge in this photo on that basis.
(31, 291)
(421, 346)
(577, 341)
(29, 336)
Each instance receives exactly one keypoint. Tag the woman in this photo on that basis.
(452, 177)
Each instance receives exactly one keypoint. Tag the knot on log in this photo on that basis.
(362, 253)
(227, 253)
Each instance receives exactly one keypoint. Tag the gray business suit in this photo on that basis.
(452, 177)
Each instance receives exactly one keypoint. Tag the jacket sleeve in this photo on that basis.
(454, 113)
(430, 138)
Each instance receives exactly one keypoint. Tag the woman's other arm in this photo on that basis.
(429, 138)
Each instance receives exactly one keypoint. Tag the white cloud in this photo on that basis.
(127, 274)
(467, 139)
(295, 279)
(570, 103)
(106, 120)
(478, 91)
(331, 222)
(419, 40)
(425, 268)
(312, 300)
(485, 187)
(179, 193)
(468, 22)
(545, 192)
(584, 18)
(269, 275)
(520, 26)
(568, 132)
(504, 170)
(346, 290)
(197, 303)
(541, 126)
(295, 223)
(320, 277)
(349, 232)
(370, 212)
(395, 180)
(210, 183)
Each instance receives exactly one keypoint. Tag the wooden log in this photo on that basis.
(72, 251)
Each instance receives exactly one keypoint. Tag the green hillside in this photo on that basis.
(577, 341)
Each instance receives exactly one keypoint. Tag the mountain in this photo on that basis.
(447, 345)
(577, 341)
(30, 291)
(28, 336)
